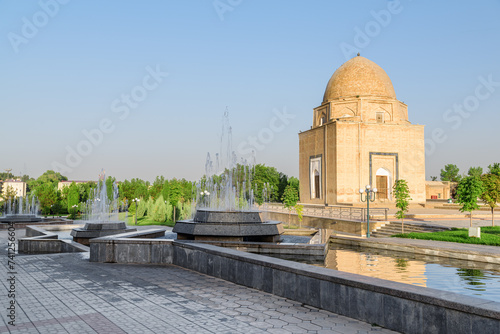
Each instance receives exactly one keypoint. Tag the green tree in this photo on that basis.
(73, 198)
(283, 182)
(491, 193)
(131, 208)
(110, 187)
(6, 176)
(141, 208)
(135, 188)
(266, 175)
(300, 212)
(450, 173)
(175, 193)
(9, 193)
(86, 190)
(468, 191)
(494, 169)
(290, 199)
(294, 182)
(434, 178)
(169, 210)
(51, 176)
(47, 196)
(475, 171)
(159, 213)
(185, 211)
(149, 207)
(402, 195)
(157, 186)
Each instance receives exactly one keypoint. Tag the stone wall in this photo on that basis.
(336, 225)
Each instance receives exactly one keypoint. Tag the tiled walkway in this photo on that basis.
(65, 293)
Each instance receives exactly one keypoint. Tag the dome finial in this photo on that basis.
(358, 54)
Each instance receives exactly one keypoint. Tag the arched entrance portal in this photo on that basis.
(383, 182)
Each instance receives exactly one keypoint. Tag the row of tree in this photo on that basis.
(483, 186)
(173, 196)
(474, 186)
(452, 173)
(160, 210)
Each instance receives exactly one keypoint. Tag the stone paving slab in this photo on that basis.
(65, 293)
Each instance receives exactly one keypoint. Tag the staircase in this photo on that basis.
(392, 228)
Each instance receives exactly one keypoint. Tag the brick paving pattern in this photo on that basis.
(65, 293)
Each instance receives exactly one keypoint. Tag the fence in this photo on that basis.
(331, 211)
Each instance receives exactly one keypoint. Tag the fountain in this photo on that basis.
(101, 215)
(21, 209)
(225, 201)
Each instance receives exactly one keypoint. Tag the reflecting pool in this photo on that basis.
(465, 277)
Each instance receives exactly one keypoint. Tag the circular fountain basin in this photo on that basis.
(228, 226)
(93, 230)
(15, 218)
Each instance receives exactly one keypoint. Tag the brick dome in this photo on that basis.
(359, 77)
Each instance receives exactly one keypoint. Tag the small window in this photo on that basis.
(439, 195)
(380, 117)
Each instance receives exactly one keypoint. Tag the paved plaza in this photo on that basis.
(65, 293)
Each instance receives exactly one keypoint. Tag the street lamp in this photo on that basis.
(136, 200)
(370, 195)
(204, 195)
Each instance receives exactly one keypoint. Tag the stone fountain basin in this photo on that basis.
(221, 217)
(93, 230)
(209, 224)
(228, 229)
(14, 218)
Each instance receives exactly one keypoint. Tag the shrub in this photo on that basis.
(185, 211)
(159, 211)
(149, 207)
(169, 208)
(141, 208)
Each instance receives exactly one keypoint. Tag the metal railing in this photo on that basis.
(331, 211)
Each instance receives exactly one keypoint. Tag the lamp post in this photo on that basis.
(136, 200)
(370, 195)
(204, 198)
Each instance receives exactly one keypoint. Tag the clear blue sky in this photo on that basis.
(67, 71)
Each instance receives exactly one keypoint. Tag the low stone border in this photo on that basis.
(264, 248)
(45, 221)
(41, 241)
(120, 248)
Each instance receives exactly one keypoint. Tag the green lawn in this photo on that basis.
(489, 236)
(143, 221)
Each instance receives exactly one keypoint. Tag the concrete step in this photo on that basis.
(407, 228)
(395, 228)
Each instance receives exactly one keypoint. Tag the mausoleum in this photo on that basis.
(360, 135)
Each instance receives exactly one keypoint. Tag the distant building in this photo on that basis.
(439, 189)
(360, 135)
(62, 184)
(18, 186)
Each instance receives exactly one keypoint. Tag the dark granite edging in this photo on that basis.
(41, 241)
